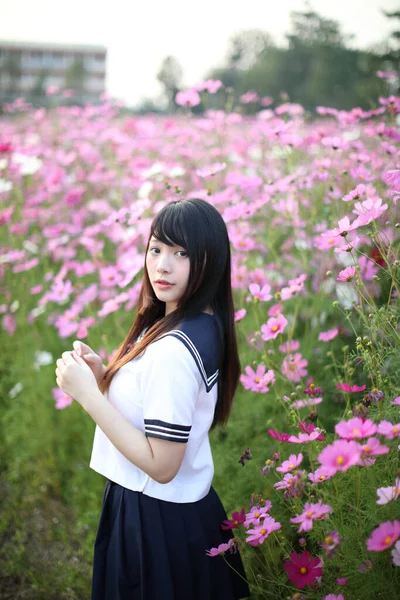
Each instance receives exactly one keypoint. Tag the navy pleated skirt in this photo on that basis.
(151, 549)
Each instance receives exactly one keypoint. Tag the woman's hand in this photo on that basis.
(90, 357)
(75, 377)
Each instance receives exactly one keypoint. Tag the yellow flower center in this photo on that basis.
(355, 431)
(275, 328)
(309, 514)
(291, 465)
(340, 460)
(263, 531)
(395, 430)
(387, 540)
(268, 462)
(366, 449)
(257, 380)
(236, 522)
(329, 540)
(303, 570)
(257, 514)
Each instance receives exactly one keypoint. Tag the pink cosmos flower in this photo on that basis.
(188, 98)
(292, 462)
(257, 514)
(341, 455)
(331, 542)
(304, 438)
(289, 346)
(396, 401)
(293, 367)
(384, 536)
(297, 404)
(275, 310)
(347, 247)
(346, 274)
(327, 336)
(273, 327)
(373, 447)
(346, 387)
(355, 194)
(321, 474)
(212, 170)
(387, 494)
(61, 398)
(389, 430)
(256, 536)
(392, 178)
(222, 548)
(344, 226)
(317, 511)
(285, 483)
(309, 427)
(259, 380)
(240, 314)
(355, 428)
(301, 570)
(260, 293)
(334, 597)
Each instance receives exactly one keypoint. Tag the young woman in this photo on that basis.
(171, 381)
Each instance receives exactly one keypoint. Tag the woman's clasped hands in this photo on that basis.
(74, 375)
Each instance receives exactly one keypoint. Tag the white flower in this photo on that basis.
(5, 186)
(396, 554)
(18, 387)
(42, 358)
(29, 165)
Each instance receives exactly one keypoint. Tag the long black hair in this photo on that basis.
(199, 228)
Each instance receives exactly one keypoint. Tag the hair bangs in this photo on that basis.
(168, 228)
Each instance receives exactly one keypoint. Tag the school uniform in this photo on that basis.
(152, 538)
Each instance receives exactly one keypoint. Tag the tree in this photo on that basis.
(245, 48)
(75, 75)
(170, 76)
(392, 55)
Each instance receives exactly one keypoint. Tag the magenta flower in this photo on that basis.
(317, 511)
(273, 327)
(355, 194)
(334, 597)
(355, 428)
(341, 455)
(327, 336)
(297, 404)
(240, 314)
(301, 570)
(289, 346)
(384, 536)
(285, 483)
(257, 535)
(292, 462)
(344, 226)
(281, 437)
(346, 274)
(310, 427)
(396, 401)
(237, 519)
(346, 387)
(389, 430)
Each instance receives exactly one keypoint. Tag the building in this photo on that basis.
(28, 69)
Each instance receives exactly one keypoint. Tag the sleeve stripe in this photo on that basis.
(169, 438)
(156, 424)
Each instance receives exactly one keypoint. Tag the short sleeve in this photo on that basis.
(170, 389)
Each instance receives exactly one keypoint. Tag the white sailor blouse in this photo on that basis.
(169, 392)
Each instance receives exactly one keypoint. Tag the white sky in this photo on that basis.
(138, 35)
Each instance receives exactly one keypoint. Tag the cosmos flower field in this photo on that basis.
(312, 206)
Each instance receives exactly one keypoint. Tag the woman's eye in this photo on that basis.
(184, 252)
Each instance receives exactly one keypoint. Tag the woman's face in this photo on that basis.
(171, 264)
